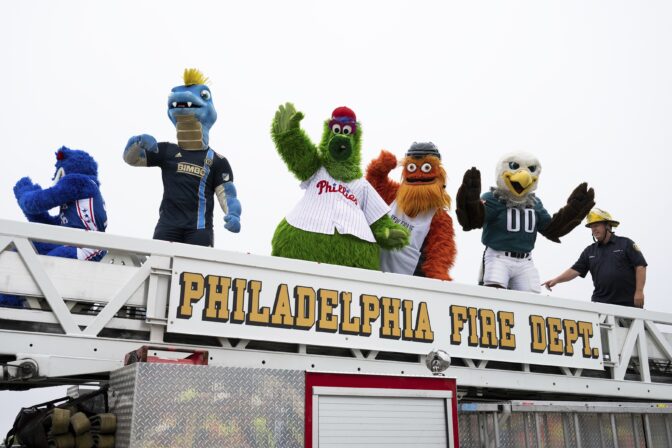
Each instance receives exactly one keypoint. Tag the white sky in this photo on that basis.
(585, 86)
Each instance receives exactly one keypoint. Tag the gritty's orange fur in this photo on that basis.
(417, 198)
(438, 250)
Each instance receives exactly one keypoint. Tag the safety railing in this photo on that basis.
(81, 318)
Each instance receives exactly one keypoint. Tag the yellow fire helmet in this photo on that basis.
(598, 215)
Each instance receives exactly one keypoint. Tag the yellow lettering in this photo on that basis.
(349, 325)
(586, 332)
(305, 307)
(458, 317)
(390, 326)
(488, 328)
(327, 300)
(423, 328)
(473, 331)
(407, 335)
(571, 335)
(256, 316)
(538, 329)
(217, 298)
(282, 311)
(191, 290)
(238, 315)
(507, 341)
(554, 326)
(370, 308)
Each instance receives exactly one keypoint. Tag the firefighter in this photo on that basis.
(615, 263)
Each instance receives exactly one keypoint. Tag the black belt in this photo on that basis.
(517, 254)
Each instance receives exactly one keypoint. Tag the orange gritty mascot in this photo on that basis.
(420, 203)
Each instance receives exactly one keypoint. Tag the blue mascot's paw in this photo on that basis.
(23, 186)
(144, 141)
(232, 223)
(232, 218)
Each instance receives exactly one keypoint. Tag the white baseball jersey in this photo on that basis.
(405, 260)
(328, 204)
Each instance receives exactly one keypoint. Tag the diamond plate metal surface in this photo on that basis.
(640, 434)
(530, 429)
(660, 430)
(552, 430)
(558, 430)
(512, 432)
(468, 430)
(595, 430)
(486, 421)
(629, 430)
(122, 389)
(206, 406)
(570, 430)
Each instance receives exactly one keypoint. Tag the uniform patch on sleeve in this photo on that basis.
(226, 177)
(636, 247)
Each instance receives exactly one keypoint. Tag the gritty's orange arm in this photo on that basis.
(439, 250)
(377, 174)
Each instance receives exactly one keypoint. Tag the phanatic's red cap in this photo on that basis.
(343, 114)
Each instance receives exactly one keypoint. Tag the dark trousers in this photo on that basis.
(199, 237)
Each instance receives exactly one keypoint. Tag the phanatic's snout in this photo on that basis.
(340, 147)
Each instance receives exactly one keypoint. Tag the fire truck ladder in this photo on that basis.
(83, 317)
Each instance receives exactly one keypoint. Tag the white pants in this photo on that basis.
(509, 272)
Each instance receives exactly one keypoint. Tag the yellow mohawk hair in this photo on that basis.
(194, 76)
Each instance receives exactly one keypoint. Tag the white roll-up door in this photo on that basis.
(361, 417)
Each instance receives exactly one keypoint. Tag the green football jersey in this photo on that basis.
(512, 229)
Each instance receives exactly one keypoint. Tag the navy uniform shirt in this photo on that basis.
(189, 182)
(512, 229)
(612, 267)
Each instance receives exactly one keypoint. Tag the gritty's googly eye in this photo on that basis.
(514, 165)
(347, 129)
(205, 94)
(336, 128)
(411, 167)
(426, 167)
(532, 168)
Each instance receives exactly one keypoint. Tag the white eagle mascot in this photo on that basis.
(511, 215)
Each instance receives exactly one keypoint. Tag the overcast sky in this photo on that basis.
(585, 86)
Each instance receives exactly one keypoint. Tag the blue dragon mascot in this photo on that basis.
(76, 191)
(191, 171)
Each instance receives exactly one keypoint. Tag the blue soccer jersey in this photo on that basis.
(189, 182)
(512, 229)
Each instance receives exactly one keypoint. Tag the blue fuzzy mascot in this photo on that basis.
(76, 191)
(192, 172)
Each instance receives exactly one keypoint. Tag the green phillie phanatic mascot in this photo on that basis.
(511, 215)
(341, 219)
